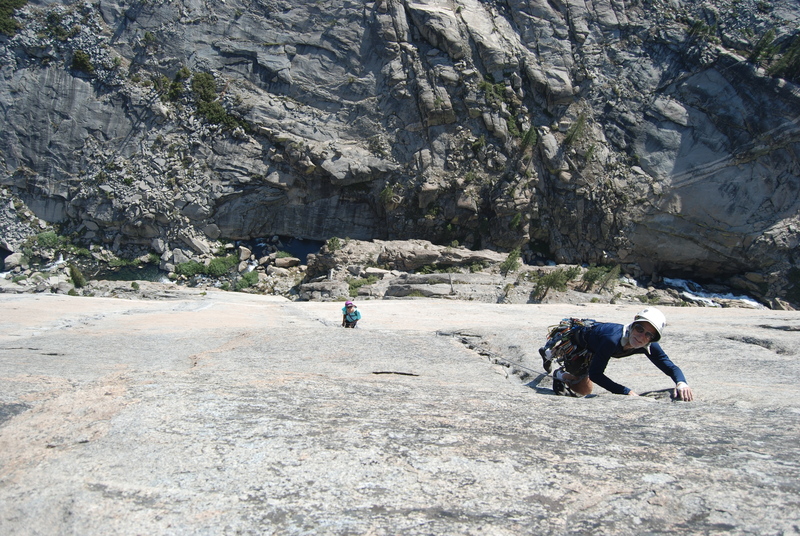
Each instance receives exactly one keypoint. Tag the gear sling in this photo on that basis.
(566, 346)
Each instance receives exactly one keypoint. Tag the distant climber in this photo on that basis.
(350, 315)
(583, 347)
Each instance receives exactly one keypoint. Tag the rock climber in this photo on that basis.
(350, 315)
(583, 347)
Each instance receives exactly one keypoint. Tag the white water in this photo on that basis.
(695, 292)
(59, 262)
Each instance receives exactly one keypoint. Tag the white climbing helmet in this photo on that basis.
(655, 318)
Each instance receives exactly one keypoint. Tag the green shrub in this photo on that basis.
(221, 265)
(530, 139)
(557, 279)
(190, 268)
(82, 62)
(592, 276)
(609, 280)
(204, 87)
(333, 244)
(575, 130)
(572, 272)
(283, 255)
(55, 26)
(247, 280)
(122, 263)
(134, 285)
(49, 240)
(788, 65)
(387, 194)
(479, 144)
(9, 26)
(511, 263)
(764, 49)
(513, 128)
(357, 283)
(77, 276)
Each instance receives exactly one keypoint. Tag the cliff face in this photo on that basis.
(662, 136)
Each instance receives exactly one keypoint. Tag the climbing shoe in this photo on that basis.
(547, 363)
(559, 388)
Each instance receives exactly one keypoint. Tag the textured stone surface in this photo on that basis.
(228, 413)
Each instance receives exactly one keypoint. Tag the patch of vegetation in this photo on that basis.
(218, 266)
(51, 240)
(55, 27)
(476, 267)
(387, 194)
(9, 25)
(247, 280)
(77, 276)
(175, 91)
(82, 62)
(378, 146)
(204, 88)
(190, 268)
(529, 139)
(494, 93)
(788, 65)
(575, 131)
(556, 280)
(603, 276)
(699, 29)
(437, 269)
(221, 265)
(764, 49)
(479, 144)
(333, 244)
(512, 262)
(357, 283)
(591, 276)
(283, 255)
(123, 263)
(513, 127)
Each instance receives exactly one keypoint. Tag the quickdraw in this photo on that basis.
(565, 350)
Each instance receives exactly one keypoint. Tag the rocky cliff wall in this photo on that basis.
(662, 136)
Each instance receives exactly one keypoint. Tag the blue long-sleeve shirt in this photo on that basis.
(604, 340)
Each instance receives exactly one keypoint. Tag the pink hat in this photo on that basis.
(348, 303)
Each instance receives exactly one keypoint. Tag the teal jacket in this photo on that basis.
(355, 316)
